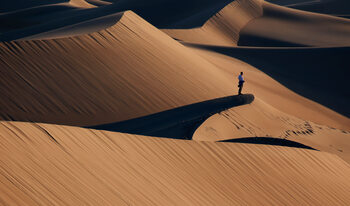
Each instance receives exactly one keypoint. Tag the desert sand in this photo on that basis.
(132, 102)
(60, 165)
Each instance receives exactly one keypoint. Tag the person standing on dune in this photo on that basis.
(240, 83)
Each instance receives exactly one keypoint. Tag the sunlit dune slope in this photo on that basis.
(223, 28)
(81, 3)
(281, 26)
(131, 69)
(262, 120)
(60, 165)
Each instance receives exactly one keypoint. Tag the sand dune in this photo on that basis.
(8, 6)
(303, 70)
(262, 120)
(98, 64)
(281, 26)
(273, 63)
(126, 71)
(333, 7)
(178, 123)
(15, 23)
(58, 165)
(223, 28)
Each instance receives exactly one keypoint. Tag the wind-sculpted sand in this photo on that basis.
(60, 165)
(132, 102)
(119, 73)
(222, 29)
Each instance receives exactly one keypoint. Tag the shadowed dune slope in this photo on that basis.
(8, 6)
(224, 27)
(129, 70)
(281, 26)
(174, 13)
(60, 165)
(19, 22)
(273, 63)
(262, 120)
(179, 123)
(333, 7)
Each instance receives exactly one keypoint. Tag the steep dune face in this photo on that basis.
(224, 27)
(129, 70)
(262, 120)
(60, 165)
(281, 26)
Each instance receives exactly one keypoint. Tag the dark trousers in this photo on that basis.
(240, 86)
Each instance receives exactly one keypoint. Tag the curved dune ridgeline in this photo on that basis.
(282, 27)
(224, 27)
(126, 71)
(60, 165)
(332, 7)
(262, 120)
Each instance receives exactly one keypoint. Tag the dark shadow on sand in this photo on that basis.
(178, 123)
(269, 141)
(306, 71)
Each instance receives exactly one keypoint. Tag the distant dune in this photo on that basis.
(59, 165)
(281, 26)
(333, 7)
(224, 27)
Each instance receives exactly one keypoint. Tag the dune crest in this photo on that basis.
(129, 70)
(281, 26)
(224, 27)
(81, 4)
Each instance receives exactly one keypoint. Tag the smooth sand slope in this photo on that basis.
(60, 165)
(129, 70)
(333, 7)
(281, 26)
(224, 27)
(262, 120)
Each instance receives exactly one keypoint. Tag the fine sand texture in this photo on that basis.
(281, 26)
(60, 165)
(128, 70)
(223, 28)
(133, 102)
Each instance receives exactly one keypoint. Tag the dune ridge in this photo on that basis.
(224, 27)
(98, 78)
(57, 165)
(282, 26)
